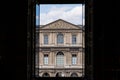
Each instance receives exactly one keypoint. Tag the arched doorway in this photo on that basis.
(45, 75)
(60, 74)
(74, 75)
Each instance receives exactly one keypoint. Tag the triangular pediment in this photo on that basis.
(60, 24)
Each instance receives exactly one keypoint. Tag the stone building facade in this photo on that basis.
(60, 50)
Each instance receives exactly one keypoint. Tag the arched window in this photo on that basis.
(60, 38)
(45, 75)
(60, 59)
(74, 75)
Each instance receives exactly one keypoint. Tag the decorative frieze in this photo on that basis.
(60, 30)
(74, 49)
(68, 49)
(59, 49)
(60, 24)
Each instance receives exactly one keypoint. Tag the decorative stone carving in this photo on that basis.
(60, 24)
(67, 29)
(60, 30)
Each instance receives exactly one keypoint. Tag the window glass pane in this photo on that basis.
(74, 59)
(45, 59)
(60, 59)
(73, 39)
(60, 38)
(45, 39)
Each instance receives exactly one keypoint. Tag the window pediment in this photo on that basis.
(74, 53)
(46, 53)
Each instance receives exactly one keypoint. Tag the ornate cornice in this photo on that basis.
(61, 30)
(60, 24)
(47, 50)
(60, 68)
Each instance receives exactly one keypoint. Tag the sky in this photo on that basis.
(74, 13)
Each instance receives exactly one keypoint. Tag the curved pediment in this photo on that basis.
(60, 24)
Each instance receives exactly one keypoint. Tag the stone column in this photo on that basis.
(52, 38)
(69, 58)
(83, 59)
(52, 74)
(50, 58)
(64, 58)
(66, 73)
(78, 38)
(40, 39)
(78, 58)
(54, 56)
(83, 38)
(70, 38)
(41, 58)
(55, 38)
(66, 35)
(49, 39)
(64, 38)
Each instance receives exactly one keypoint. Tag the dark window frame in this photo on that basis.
(46, 55)
(74, 39)
(59, 55)
(60, 38)
(31, 32)
(46, 39)
(74, 56)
